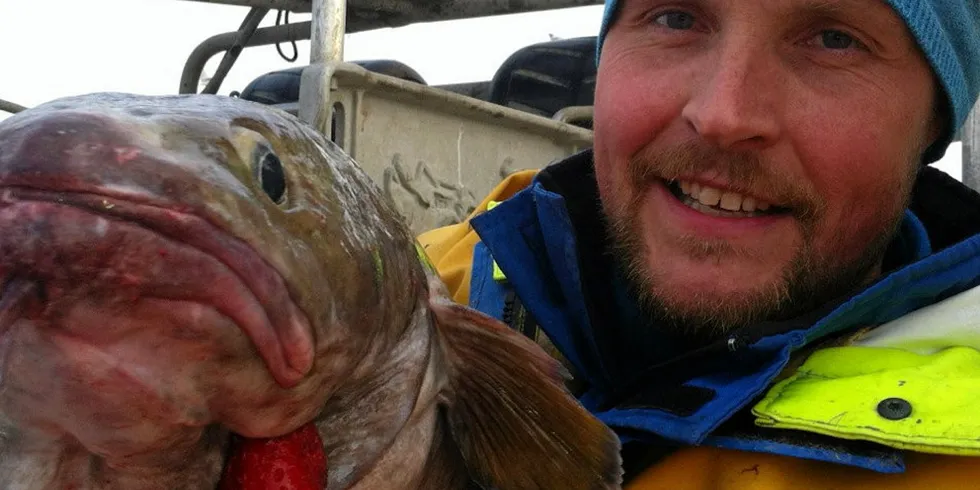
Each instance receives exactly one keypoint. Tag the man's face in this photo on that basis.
(755, 157)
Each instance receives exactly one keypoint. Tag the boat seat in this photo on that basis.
(282, 86)
(546, 77)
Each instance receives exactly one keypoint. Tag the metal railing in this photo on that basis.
(326, 48)
(194, 66)
(245, 32)
(364, 15)
(326, 34)
(7, 106)
(291, 5)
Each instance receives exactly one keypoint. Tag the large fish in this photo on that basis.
(183, 272)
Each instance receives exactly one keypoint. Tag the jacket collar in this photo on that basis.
(548, 240)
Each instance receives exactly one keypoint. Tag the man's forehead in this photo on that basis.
(878, 15)
(817, 6)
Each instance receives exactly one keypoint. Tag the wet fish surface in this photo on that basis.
(183, 272)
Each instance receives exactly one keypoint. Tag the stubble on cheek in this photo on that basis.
(813, 273)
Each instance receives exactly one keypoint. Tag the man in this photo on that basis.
(753, 276)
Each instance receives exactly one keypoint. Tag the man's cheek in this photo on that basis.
(630, 115)
(860, 202)
(845, 232)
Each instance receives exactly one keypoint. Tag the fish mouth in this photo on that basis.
(261, 304)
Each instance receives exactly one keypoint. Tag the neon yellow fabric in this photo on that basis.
(837, 392)
(498, 275)
(723, 469)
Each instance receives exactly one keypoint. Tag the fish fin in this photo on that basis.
(445, 468)
(515, 423)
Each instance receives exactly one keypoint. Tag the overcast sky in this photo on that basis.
(53, 48)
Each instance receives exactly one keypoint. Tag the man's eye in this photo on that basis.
(675, 20)
(836, 40)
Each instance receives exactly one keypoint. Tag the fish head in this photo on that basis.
(171, 263)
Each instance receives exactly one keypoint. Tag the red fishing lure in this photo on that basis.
(295, 461)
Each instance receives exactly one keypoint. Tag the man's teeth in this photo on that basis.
(727, 200)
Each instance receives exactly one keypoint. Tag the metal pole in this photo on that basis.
(10, 107)
(971, 149)
(326, 50)
(245, 32)
(223, 42)
(329, 26)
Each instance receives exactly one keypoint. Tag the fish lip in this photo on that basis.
(192, 229)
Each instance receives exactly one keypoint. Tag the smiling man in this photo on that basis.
(755, 158)
(754, 275)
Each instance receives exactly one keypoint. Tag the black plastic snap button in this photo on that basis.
(894, 408)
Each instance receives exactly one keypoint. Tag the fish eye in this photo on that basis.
(272, 177)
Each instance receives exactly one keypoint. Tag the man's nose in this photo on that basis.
(734, 103)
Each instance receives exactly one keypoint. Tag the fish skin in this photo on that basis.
(161, 301)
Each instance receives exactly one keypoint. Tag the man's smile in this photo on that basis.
(711, 214)
(719, 202)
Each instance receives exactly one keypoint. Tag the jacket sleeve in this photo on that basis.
(450, 248)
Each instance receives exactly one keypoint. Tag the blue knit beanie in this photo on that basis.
(948, 31)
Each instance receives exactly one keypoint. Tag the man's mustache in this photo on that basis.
(745, 173)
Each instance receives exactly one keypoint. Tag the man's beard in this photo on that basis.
(807, 282)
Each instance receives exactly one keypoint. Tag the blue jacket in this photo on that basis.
(659, 392)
